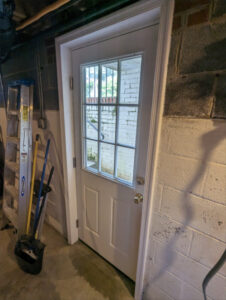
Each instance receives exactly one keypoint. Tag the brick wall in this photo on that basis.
(188, 230)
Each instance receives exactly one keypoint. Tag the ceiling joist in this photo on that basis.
(42, 13)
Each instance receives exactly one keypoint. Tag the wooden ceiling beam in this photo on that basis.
(42, 13)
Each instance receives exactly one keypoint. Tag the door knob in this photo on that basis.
(138, 198)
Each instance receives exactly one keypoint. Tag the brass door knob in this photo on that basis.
(138, 198)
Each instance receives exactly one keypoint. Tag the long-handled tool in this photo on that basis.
(48, 189)
(32, 185)
(29, 250)
(41, 184)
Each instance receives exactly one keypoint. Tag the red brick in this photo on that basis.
(199, 17)
(176, 22)
(182, 5)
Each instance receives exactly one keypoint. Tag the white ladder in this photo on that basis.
(18, 153)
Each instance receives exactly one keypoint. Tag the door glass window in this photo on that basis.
(110, 113)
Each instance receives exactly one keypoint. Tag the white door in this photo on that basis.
(113, 83)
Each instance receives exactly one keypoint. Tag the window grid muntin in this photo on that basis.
(99, 104)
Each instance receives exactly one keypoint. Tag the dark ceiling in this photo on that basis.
(71, 15)
(28, 8)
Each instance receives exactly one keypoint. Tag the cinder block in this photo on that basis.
(207, 250)
(155, 293)
(176, 22)
(215, 183)
(199, 139)
(190, 293)
(190, 272)
(151, 250)
(181, 5)
(219, 8)
(150, 259)
(2, 100)
(167, 282)
(180, 172)
(175, 45)
(220, 103)
(3, 123)
(195, 212)
(208, 53)
(198, 17)
(191, 96)
(157, 197)
(168, 231)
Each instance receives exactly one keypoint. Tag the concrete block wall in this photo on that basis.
(197, 65)
(188, 223)
(188, 228)
(188, 231)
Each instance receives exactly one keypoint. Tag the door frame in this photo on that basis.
(134, 17)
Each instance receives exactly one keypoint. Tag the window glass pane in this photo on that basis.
(107, 158)
(91, 154)
(91, 88)
(91, 112)
(125, 163)
(127, 125)
(104, 119)
(130, 80)
(108, 119)
(109, 79)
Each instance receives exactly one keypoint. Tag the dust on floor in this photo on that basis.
(69, 273)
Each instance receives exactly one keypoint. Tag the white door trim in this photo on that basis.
(135, 16)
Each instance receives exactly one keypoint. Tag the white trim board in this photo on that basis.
(136, 16)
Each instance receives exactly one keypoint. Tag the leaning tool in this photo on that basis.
(32, 185)
(41, 184)
(29, 250)
(46, 191)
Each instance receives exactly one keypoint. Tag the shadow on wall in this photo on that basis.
(213, 58)
(58, 181)
(216, 136)
(54, 159)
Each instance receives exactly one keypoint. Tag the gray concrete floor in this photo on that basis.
(69, 273)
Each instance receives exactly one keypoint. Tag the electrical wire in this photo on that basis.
(212, 272)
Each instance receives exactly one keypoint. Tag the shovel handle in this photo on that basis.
(43, 204)
(42, 179)
(32, 185)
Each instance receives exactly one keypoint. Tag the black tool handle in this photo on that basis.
(43, 202)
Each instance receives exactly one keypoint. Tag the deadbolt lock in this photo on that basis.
(140, 180)
(138, 198)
